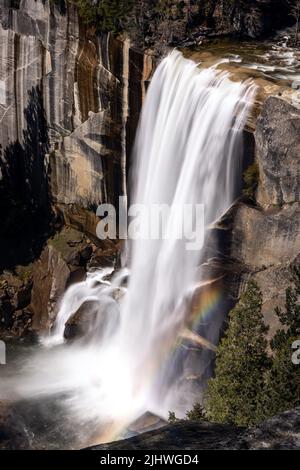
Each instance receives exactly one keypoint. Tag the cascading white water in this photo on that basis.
(187, 152)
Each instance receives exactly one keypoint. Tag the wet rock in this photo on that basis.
(6, 314)
(13, 433)
(86, 254)
(11, 282)
(76, 97)
(93, 319)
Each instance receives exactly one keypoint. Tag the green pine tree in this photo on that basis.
(105, 15)
(282, 389)
(234, 395)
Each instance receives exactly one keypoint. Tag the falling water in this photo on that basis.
(187, 151)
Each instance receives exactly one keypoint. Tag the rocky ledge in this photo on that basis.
(281, 432)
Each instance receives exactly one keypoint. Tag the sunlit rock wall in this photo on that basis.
(265, 240)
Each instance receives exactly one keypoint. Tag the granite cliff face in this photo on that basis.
(69, 106)
(278, 149)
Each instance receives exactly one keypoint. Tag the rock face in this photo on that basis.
(265, 238)
(69, 105)
(281, 432)
(250, 18)
(91, 322)
(191, 22)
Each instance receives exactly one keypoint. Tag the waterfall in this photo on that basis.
(187, 151)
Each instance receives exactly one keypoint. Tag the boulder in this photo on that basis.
(22, 322)
(50, 276)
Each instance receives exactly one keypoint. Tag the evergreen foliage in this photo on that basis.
(197, 413)
(251, 385)
(234, 395)
(282, 388)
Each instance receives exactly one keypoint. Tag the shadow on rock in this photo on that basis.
(24, 198)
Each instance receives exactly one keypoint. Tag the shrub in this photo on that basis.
(282, 388)
(197, 413)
